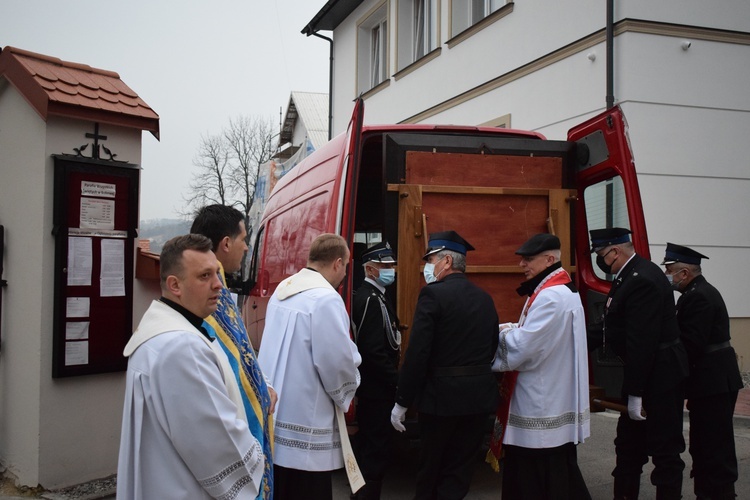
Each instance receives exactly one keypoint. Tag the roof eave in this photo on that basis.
(330, 16)
(103, 116)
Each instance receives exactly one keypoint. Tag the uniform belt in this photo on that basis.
(461, 371)
(717, 347)
(669, 343)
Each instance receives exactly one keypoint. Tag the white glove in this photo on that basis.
(505, 326)
(635, 408)
(398, 415)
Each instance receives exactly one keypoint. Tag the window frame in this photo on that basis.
(370, 76)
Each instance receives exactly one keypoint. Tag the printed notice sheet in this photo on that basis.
(76, 353)
(80, 261)
(77, 330)
(112, 279)
(101, 189)
(97, 214)
(78, 307)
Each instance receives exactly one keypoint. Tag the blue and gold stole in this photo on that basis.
(232, 336)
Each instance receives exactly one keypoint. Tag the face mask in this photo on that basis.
(675, 286)
(386, 277)
(606, 268)
(429, 269)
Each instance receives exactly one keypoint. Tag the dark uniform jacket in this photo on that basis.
(704, 329)
(447, 365)
(379, 368)
(641, 327)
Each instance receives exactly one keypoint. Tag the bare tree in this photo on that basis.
(228, 165)
(249, 140)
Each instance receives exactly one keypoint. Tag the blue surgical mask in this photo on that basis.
(386, 277)
(429, 270)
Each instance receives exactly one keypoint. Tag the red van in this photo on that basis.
(495, 186)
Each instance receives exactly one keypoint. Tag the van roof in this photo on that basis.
(410, 127)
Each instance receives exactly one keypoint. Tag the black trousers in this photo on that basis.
(448, 455)
(712, 444)
(294, 484)
(374, 437)
(543, 474)
(659, 437)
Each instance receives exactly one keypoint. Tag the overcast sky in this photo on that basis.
(196, 63)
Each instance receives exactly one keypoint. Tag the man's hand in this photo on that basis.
(274, 399)
(398, 415)
(635, 408)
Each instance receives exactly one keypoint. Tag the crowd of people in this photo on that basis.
(205, 417)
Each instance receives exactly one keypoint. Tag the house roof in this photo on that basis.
(331, 15)
(55, 87)
(312, 109)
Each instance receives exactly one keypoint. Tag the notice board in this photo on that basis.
(95, 226)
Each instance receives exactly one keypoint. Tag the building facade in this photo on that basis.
(677, 70)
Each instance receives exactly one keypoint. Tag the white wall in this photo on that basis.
(22, 206)
(54, 432)
(688, 110)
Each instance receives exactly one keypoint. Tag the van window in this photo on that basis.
(605, 207)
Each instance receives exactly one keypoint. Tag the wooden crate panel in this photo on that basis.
(502, 288)
(460, 169)
(496, 225)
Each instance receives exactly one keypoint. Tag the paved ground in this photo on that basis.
(596, 458)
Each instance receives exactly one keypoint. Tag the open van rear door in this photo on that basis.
(608, 196)
(347, 189)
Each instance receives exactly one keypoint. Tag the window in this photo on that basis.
(606, 206)
(417, 30)
(372, 49)
(466, 13)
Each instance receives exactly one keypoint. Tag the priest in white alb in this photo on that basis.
(544, 408)
(184, 429)
(311, 361)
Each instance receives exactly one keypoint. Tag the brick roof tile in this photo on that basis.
(53, 86)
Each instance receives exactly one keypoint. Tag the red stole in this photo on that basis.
(507, 380)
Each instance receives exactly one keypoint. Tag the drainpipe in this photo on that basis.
(330, 81)
(610, 54)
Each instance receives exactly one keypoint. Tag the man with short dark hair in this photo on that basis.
(447, 370)
(641, 327)
(312, 362)
(225, 227)
(714, 374)
(545, 361)
(184, 428)
(379, 342)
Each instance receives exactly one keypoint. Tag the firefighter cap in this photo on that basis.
(382, 253)
(446, 240)
(538, 244)
(679, 253)
(601, 238)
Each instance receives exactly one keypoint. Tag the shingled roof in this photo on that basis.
(55, 87)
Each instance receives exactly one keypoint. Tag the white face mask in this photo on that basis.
(429, 272)
(672, 283)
